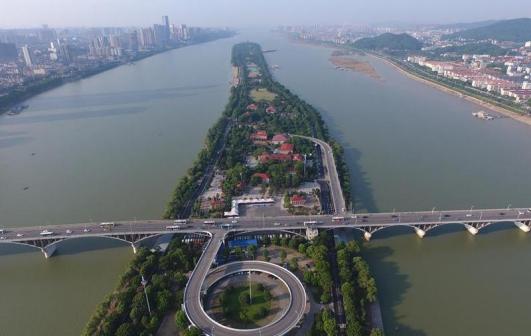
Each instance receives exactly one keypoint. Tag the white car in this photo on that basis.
(20, 235)
(68, 231)
(86, 230)
(468, 215)
(2, 238)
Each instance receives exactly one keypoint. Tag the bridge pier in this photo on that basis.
(471, 229)
(421, 233)
(367, 235)
(524, 226)
(311, 233)
(49, 250)
(135, 247)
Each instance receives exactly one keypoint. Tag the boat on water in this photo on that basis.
(483, 115)
(17, 109)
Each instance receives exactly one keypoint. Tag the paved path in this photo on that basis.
(331, 173)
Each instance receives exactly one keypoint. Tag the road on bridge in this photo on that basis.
(134, 231)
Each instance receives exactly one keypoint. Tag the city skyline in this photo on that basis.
(258, 13)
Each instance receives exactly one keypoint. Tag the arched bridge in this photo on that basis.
(135, 232)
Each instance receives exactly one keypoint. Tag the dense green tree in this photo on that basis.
(283, 255)
(181, 320)
(329, 323)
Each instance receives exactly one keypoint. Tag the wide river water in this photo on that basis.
(112, 147)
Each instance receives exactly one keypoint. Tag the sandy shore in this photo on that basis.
(346, 62)
(518, 117)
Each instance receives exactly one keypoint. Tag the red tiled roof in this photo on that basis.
(271, 109)
(259, 135)
(279, 138)
(286, 148)
(263, 176)
(276, 157)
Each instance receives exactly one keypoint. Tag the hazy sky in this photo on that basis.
(57, 13)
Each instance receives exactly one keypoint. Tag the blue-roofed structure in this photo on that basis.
(242, 243)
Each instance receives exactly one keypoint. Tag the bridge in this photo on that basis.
(134, 233)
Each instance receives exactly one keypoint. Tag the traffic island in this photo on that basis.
(233, 303)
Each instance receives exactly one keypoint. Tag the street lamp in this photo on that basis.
(144, 283)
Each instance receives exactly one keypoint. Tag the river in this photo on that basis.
(112, 146)
(108, 147)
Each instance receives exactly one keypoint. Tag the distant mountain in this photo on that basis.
(482, 48)
(516, 30)
(466, 25)
(389, 41)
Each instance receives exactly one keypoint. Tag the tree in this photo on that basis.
(251, 251)
(283, 255)
(265, 254)
(302, 248)
(376, 332)
(255, 180)
(193, 331)
(164, 300)
(294, 264)
(329, 323)
(124, 330)
(181, 320)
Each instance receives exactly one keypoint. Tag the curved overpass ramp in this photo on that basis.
(193, 305)
(332, 175)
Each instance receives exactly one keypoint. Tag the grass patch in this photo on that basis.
(239, 309)
(262, 95)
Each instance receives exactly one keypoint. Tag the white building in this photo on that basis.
(27, 56)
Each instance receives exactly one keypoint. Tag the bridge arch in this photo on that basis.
(56, 243)
(436, 230)
(415, 229)
(347, 227)
(22, 243)
(502, 224)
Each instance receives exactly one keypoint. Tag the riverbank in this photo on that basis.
(20, 95)
(514, 115)
(504, 111)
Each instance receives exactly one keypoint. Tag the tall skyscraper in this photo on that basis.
(27, 56)
(146, 38)
(166, 24)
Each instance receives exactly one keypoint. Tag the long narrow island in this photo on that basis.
(269, 155)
